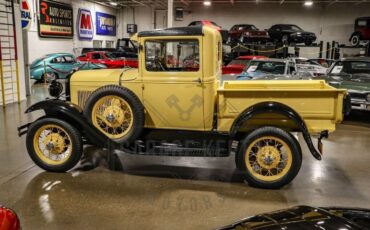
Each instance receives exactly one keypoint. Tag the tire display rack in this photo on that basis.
(9, 73)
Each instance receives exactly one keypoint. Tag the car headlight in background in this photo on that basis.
(368, 97)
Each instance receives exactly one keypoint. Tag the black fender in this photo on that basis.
(72, 114)
(355, 33)
(277, 108)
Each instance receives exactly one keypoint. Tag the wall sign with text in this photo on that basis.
(56, 20)
(105, 24)
(25, 15)
(85, 28)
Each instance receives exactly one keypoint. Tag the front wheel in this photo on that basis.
(54, 145)
(355, 40)
(270, 157)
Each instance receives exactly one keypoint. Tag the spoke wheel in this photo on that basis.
(54, 144)
(270, 157)
(113, 116)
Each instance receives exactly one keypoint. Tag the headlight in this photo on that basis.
(368, 97)
(55, 89)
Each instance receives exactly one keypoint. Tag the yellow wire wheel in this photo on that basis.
(116, 112)
(54, 144)
(270, 156)
(113, 116)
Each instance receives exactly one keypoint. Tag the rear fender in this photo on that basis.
(276, 108)
(72, 114)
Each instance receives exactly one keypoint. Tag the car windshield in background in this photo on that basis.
(265, 67)
(239, 62)
(111, 55)
(351, 67)
(166, 55)
(247, 27)
(306, 62)
(291, 27)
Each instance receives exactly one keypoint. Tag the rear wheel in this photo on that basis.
(49, 77)
(54, 145)
(270, 157)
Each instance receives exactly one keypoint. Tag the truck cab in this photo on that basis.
(175, 103)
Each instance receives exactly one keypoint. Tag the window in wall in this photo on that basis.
(172, 55)
(109, 44)
(97, 44)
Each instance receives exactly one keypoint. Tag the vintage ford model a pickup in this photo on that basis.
(176, 104)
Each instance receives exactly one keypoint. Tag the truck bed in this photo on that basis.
(319, 104)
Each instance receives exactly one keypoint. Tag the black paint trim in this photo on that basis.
(278, 108)
(175, 31)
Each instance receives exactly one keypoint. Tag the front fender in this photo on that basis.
(71, 113)
(277, 108)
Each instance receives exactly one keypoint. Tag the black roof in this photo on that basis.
(175, 31)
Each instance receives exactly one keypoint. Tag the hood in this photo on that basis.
(357, 82)
(298, 218)
(106, 75)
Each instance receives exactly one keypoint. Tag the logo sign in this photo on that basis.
(56, 20)
(85, 25)
(105, 24)
(25, 15)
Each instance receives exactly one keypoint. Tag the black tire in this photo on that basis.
(75, 139)
(289, 140)
(134, 103)
(355, 40)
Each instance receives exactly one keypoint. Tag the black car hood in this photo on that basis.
(294, 32)
(301, 218)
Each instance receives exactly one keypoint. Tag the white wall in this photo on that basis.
(38, 47)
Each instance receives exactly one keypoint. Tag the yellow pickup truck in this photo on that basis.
(177, 104)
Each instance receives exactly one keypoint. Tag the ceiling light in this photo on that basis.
(207, 3)
(113, 3)
(308, 3)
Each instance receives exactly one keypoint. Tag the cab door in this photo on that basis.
(172, 83)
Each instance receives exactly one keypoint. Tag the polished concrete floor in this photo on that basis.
(171, 193)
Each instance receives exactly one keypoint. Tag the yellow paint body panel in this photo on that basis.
(188, 100)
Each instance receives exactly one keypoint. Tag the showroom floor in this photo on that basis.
(171, 193)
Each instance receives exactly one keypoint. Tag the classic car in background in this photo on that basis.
(312, 67)
(362, 31)
(108, 59)
(126, 48)
(224, 32)
(289, 33)
(261, 67)
(8, 219)
(324, 62)
(306, 217)
(58, 66)
(353, 74)
(237, 65)
(247, 33)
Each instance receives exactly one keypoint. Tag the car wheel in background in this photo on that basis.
(355, 40)
(49, 77)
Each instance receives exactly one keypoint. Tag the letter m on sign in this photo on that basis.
(85, 25)
(86, 21)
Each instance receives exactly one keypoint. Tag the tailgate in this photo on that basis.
(320, 105)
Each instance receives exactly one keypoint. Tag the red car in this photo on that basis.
(8, 219)
(108, 59)
(247, 33)
(362, 31)
(237, 65)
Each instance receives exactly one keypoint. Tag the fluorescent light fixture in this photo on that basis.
(113, 3)
(308, 3)
(207, 3)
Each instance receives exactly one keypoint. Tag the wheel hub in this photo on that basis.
(54, 143)
(114, 115)
(268, 157)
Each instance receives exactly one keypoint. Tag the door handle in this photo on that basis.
(199, 81)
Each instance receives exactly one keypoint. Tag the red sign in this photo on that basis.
(85, 25)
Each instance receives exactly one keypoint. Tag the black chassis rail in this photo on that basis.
(72, 113)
